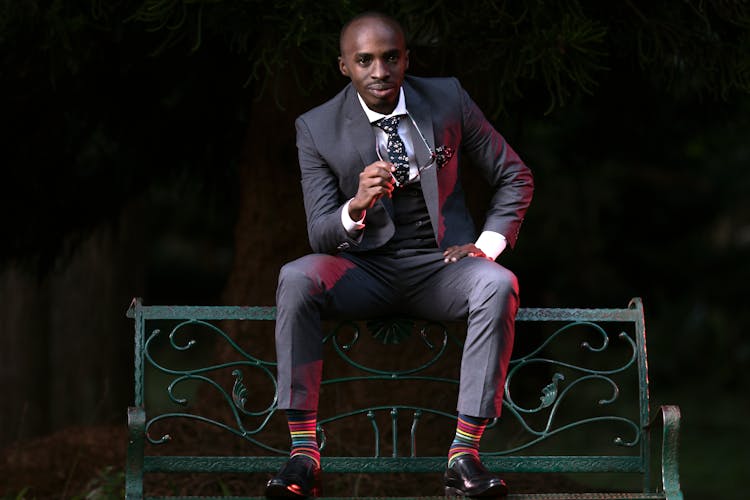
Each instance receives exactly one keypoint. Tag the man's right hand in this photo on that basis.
(375, 181)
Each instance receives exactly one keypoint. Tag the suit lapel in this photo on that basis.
(420, 111)
(359, 129)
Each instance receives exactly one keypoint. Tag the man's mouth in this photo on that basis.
(381, 90)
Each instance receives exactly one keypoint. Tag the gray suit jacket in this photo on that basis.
(335, 142)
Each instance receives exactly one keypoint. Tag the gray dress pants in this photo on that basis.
(414, 283)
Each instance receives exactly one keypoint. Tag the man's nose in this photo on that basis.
(380, 70)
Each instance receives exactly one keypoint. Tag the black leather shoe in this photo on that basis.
(467, 477)
(298, 478)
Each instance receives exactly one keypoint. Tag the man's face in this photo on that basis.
(374, 56)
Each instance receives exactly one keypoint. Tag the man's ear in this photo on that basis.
(342, 67)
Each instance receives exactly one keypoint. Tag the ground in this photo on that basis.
(66, 464)
(87, 462)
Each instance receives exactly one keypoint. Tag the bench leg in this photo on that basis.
(134, 463)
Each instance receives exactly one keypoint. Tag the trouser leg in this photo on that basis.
(311, 288)
(493, 304)
(487, 294)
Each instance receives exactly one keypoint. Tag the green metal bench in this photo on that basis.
(576, 399)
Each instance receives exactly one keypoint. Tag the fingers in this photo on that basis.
(452, 254)
(379, 170)
(379, 174)
(375, 181)
(458, 252)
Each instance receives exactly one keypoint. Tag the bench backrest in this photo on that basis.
(577, 390)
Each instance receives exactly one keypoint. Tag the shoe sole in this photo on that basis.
(498, 491)
(281, 491)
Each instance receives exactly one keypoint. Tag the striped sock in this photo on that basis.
(468, 434)
(302, 426)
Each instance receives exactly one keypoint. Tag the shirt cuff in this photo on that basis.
(491, 243)
(351, 226)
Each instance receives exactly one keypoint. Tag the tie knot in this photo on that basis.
(389, 124)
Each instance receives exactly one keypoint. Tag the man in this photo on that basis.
(387, 217)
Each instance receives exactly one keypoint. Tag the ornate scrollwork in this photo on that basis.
(549, 393)
(540, 421)
(239, 390)
(556, 392)
(395, 412)
(236, 402)
(391, 330)
(398, 325)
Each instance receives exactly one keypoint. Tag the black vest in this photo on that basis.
(412, 220)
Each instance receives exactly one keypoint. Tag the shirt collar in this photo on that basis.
(374, 116)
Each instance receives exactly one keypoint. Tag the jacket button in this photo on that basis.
(343, 246)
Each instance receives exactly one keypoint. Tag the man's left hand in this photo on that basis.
(458, 252)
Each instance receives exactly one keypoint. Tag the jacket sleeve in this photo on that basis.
(322, 197)
(511, 180)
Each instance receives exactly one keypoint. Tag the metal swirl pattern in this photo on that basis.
(434, 338)
(235, 401)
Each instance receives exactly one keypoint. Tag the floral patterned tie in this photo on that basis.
(396, 150)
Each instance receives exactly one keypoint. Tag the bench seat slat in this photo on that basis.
(519, 496)
(269, 313)
(395, 464)
(207, 313)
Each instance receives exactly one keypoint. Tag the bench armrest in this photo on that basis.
(668, 419)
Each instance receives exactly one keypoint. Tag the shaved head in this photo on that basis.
(357, 20)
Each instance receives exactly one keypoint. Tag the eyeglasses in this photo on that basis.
(429, 164)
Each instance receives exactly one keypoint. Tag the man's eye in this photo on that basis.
(392, 59)
(363, 60)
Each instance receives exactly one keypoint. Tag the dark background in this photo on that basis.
(148, 150)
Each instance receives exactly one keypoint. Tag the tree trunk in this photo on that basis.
(270, 228)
